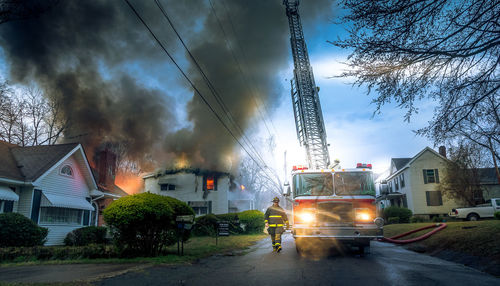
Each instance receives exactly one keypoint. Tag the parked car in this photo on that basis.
(480, 211)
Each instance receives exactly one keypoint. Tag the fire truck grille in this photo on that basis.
(336, 213)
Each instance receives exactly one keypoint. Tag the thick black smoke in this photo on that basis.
(94, 56)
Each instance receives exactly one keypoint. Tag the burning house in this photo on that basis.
(204, 190)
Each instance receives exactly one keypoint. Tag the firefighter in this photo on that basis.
(276, 219)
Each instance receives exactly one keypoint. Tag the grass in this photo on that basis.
(478, 238)
(195, 248)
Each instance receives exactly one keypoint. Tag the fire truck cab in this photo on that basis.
(334, 205)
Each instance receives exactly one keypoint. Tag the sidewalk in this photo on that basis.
(64, 272)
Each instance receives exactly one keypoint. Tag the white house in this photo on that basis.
(205, 191)
(413, 184)
(52, 185)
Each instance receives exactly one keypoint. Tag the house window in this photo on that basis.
(210, 183)
(201, 208)
(431, 176)
(402, 180)
(390, 187)
(52, 215)
(6, 206)
(167, 187)
(434, 198)
(396, 183)
(67, 171)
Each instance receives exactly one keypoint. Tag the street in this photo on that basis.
(386, 265)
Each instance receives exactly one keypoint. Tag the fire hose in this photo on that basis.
(394, 239)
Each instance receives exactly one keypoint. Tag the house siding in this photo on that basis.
(427, 160)
(189, 187)
(57, 184)
(25, 201)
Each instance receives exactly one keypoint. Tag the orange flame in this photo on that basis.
(130, 183)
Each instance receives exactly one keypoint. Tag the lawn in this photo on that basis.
(478, 238)
(195, 248)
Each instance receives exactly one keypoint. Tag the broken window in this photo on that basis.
(210, 183)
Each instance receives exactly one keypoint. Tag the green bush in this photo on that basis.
(205, 225)
(145, 223)
(252, 221)
(393, 220)
(437, 219)
(86, 235)
(18, 230)
(416, 219)
(497, 215)
(403, 214)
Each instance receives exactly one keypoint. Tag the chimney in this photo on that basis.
(106, 164)
(442, 151)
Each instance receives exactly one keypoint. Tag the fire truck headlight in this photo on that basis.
(379, 221)
(363, 215)
(306, 217)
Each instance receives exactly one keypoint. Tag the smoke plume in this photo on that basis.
(100, 64)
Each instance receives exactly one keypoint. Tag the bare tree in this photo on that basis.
(461, 181)
(447, 51)
(28, 118)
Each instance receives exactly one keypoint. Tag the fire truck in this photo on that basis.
(334, 205)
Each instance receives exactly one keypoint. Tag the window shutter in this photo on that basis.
(425, 176)
(35, 205)
(86, 216)
(215, 183)
(428, 198)
(440, 198)
(8, 206)
(436, 174)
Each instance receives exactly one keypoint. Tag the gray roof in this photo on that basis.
(400, 162)
(29, 163)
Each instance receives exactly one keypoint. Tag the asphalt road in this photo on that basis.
(387, 264)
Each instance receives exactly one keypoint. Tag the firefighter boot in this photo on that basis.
(278, 242)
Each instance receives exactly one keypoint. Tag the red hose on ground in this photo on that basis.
(394, 239)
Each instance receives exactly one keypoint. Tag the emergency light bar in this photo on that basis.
(299, 167)
(361, 165)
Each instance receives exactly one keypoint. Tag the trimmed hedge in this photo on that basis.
(403, 214)
(145, 223)
(246, 222)
(253, 221)
(86, 235)
(18, 230)
(393, 220)
(497, 215)
(416, 219)
(37, 253)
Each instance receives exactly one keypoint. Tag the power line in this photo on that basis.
(211, 87)
(188, 79)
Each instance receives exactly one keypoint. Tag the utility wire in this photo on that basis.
(211, 87)
(190, 82)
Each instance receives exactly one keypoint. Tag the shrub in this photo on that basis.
(18, 230)
(252, 220)
(437, 219)
(145, 223)
(416, 219)
(205, 225)
(403, 214)
(393, 220)
(497, 215)
(86, 235)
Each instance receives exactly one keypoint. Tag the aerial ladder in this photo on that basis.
(306, 106)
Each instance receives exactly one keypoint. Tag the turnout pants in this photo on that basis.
(275, 233)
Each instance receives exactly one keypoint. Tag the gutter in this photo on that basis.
(15, 182)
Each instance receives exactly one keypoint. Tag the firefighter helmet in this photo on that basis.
(276, 200)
